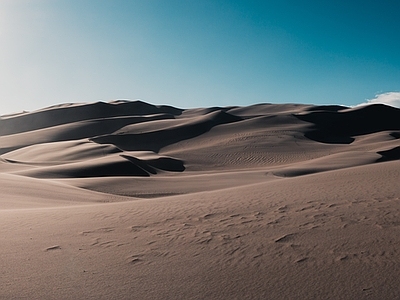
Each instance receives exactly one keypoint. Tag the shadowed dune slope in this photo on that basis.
(82, 139)
(64, 114)
(331, 126)
(73, 131)
(158, 134)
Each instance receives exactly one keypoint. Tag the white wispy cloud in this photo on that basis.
(390, 98)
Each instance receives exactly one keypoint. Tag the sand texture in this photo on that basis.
(128, 200)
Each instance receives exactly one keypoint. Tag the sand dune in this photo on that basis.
(341, 126)
(128, 200)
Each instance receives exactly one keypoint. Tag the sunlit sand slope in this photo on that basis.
(128, 200)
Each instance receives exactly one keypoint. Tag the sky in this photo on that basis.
(188, 53)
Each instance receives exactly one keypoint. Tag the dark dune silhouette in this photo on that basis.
(340, 126)
(391, 154)
(59, 115)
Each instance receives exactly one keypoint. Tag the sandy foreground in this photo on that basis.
(127, 200)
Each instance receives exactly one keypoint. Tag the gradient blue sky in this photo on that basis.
(197, 53)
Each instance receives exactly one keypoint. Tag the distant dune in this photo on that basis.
(129, 200)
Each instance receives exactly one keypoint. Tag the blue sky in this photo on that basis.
(198, 53)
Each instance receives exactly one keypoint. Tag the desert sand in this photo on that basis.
(128, 200)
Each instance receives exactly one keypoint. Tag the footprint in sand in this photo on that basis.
(55, 247)
(286, 238)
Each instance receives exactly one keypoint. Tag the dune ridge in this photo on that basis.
(129, 200)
